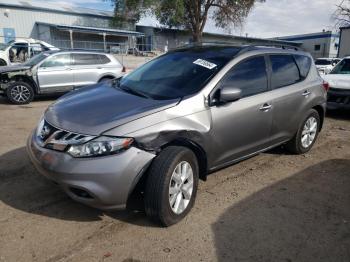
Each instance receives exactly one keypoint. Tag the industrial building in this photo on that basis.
(344, 42)
(82, 28)
(321, 44)
(61, 26)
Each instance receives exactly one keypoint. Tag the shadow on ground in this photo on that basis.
(23, 188)
(303, 218)
(340, 114)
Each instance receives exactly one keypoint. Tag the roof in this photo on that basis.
(316, 35)
(86, 29)
(243, 38)
(54, 7)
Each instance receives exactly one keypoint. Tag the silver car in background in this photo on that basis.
(57, 72)
(175, 119)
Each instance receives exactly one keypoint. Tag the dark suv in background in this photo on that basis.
(175, 119)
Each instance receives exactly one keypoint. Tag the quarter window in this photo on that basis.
(249, 76)
(104, 59)
(57, 61)
(304, 64)
(284, 71)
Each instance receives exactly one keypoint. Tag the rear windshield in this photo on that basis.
(178, 73)
(343, 67)
(323, 62)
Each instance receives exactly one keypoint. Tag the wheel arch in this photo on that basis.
(321, 112)
(107, 76)
(197, 150)
(26, 79)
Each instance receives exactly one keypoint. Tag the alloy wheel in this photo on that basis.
(181, 187)
(20, 93)
(309, 132)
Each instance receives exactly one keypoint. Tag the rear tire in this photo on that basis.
(307, 134)
(171, 185)
(20, 93)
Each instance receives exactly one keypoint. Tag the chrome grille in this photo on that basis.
(58, 139)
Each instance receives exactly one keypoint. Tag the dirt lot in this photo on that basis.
(273, 207)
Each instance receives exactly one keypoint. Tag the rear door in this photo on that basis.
(242, 127)
(290, 93)
(87, 69)
(55, 74)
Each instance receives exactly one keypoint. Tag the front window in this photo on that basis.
(36, 59)
(57, 61)
(343, 67)
(178, 73)
(250, 76)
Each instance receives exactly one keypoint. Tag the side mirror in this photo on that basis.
(230, 94)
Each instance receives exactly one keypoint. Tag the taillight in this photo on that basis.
(325, 85)
(124, 69)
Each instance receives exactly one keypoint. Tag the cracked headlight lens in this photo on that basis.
(100, 146)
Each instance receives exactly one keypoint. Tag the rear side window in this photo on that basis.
(249, 76)
(86, 59)
(104, 59)
(284, 71)
(304, 64)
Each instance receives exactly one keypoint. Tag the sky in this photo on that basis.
(269, 19)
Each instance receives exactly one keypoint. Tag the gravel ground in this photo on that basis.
(273, 207)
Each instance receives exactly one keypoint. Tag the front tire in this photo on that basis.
(20, 93)
(307, 134)
(171, 185)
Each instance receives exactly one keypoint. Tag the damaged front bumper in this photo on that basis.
(101, 182)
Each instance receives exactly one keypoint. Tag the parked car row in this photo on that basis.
(56, 72)
(325, 65)
(339, 82)
(171, 121)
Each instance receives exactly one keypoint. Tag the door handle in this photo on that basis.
(265, 107)
(99, 67)
(306, 93)
(68, 68)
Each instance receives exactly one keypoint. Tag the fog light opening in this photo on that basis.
(80, 193)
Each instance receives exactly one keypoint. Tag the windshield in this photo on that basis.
(178, 73)
(323, 62)
(36, 59)
(343, 67)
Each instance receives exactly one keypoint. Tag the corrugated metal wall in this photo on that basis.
(23, 21)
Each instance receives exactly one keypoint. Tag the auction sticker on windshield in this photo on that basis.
(204, 63)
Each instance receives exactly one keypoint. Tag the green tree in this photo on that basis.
(186, 14)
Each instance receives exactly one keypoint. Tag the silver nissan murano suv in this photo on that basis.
(175, 119)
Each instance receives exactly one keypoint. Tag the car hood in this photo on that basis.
(14, 68)
(341, 81)
(95, 109)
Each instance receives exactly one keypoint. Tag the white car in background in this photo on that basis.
(325, 65)
(20, 50)
(339, 83)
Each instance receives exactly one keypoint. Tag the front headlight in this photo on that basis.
(100, 146)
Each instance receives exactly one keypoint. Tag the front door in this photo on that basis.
(55, 74)
(242, 127)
